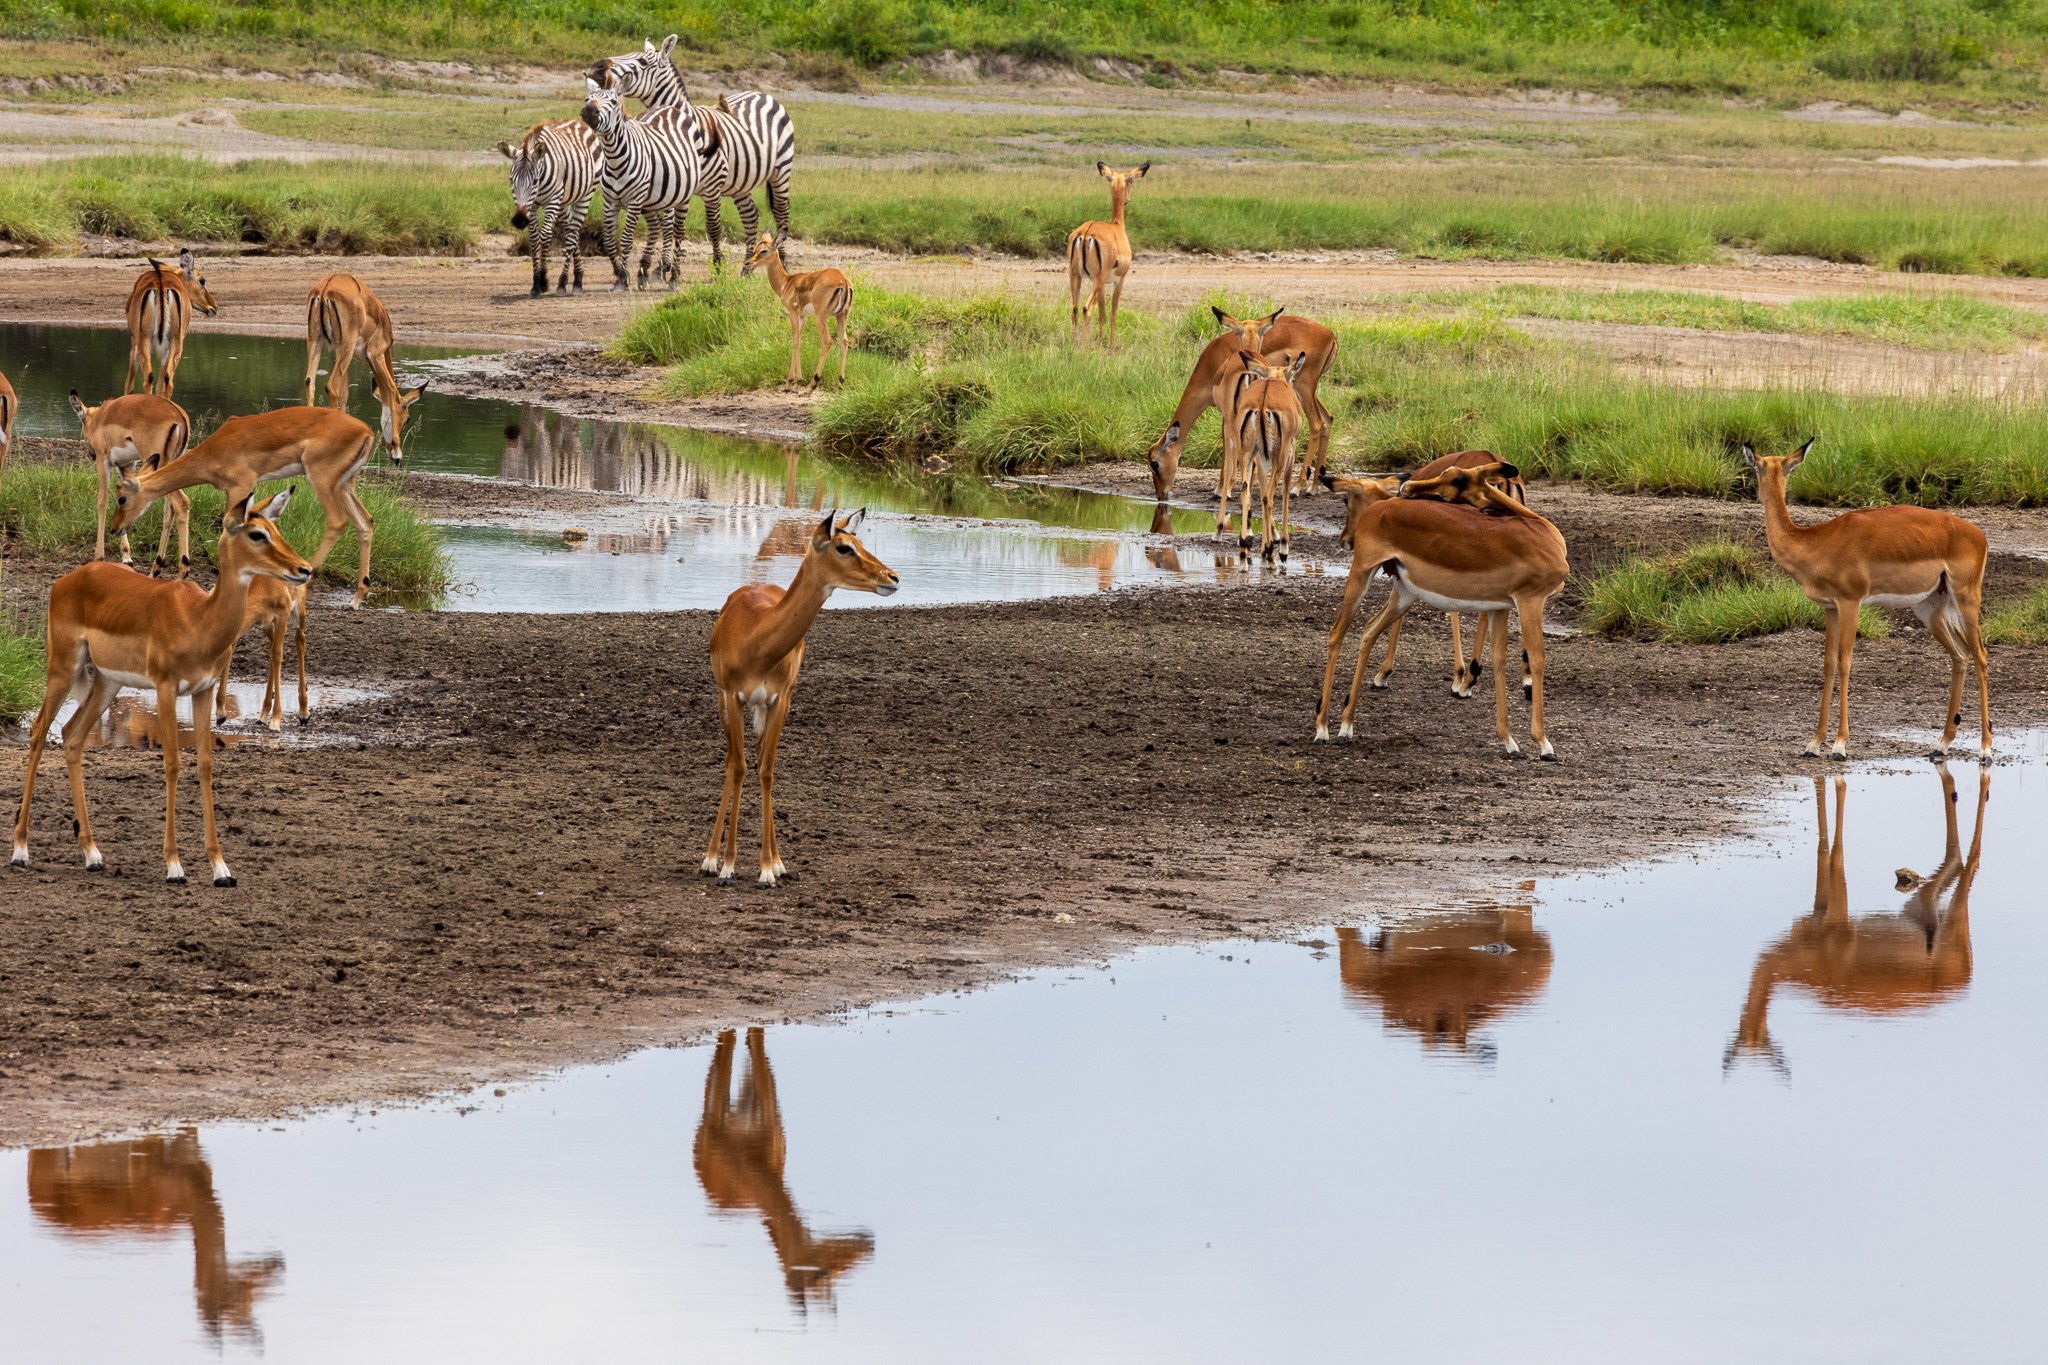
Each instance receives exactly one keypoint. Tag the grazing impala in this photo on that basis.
(1879, 964)
(1268, 335)
(154, 1187)
(1914, 557)
(123, 433)
(1099, 255)
(7, 406)
(111, 628)
(344, 316)
(1428, 480)
(160, 309)
(330, 448)
(1262, 423)
(1441, 976)
(1451, 555)
(740, 1155)
(757, 647)
(824, 294)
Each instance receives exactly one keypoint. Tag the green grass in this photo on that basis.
(1709, 593)
(992, 380)
(21, 667)
(2025, 622)
(51, 509)
(328, 206)
(1941, 322)
(1953, 49)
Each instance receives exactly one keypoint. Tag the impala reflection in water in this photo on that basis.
(1443, 976)
(153, 1188)
(1912, 959)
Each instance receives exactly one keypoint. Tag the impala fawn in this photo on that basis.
(131, 430)
(1099, 256)
(825, 294)
(1262, 424)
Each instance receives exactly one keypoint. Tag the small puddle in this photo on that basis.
(1769, 1101)
(709, 513)
(131, 722)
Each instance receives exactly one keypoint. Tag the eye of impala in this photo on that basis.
(844, 548)
(259, 538)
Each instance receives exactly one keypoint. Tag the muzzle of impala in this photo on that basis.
(888, 588)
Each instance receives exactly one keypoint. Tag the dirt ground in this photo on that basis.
(507, 878)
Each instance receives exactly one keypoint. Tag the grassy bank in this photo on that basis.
(329, 206)
(1962, 50)
(993, 382)
(1709, 593)
(51, 509)
(21, 666)
(1936, 322)
(2025, 622)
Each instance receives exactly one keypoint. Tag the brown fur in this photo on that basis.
(152, 426)
(824, 294)
(343, 314)
(1268, 335)
(1099, 256)
(160, 309)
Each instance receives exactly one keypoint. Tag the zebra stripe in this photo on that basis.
(651, 163)
(554, 172)
(751, 139)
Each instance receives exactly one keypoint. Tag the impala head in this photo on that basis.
(251, 544)
(602, 109)
(393, 422)
(78, 406)
(525, 186)
(760, 251)
(845, 561)
(1772, 470)
(1120, 182)
(1360, 494)
(1250, 332)
(638, 75)
(130, 500)
(202, 297)
(1284, 366)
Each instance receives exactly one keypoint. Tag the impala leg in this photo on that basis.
(1244, 520)
(1938, 627)
(54, 696)
(844, 317)
(1271, 472)
(1116, 300)
(273, 690)
(720, 852)
(135, 367)
(202, 733)
(220, 691)
(1286, 500)
(796, 348)
(1389, 619)
(1529, 611)
(344, 361)
(163, 537)
(167, 735)
(169, 374)
(313, 312)
(1386, 668)
(771, 736)
(1073, 296)
(1969, 606)
(1500, 691)
(824, 346)
(1318, 443)
(99, 549)
(1827, 681)
(180, 506)
(1845, 638)
(305, 710)
(76, 733)
(1354, 586)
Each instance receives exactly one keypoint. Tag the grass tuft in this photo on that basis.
(1709, 593)
(2025, 622)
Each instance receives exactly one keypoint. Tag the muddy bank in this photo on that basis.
(511, 881)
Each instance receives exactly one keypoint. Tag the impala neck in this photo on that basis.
(778, 280)
(1119, 195)
(785, 624)
(221, 619)
(1779, 528)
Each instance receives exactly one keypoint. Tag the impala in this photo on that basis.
(825, 294)
(277, 604)
(1266, 335)
(1454, 557)
(1914, 557)
(344, 316)
(110, 628)
(1099, 254)
(1879, 963)
(7, 406)
(757, 647)
(330, 448)
(1437, 479)
(1262, 423)
(740, 1152)
(160, 309)
(1440, 976)
(123, 433)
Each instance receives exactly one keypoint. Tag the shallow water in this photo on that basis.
(1758, 1104)
(131, 723)
(720, 511)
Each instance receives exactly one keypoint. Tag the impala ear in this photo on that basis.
(1142, 168)
(239, 513)
(187, 263)
(1799, 455)
(414, 396)
(852, 523)
(150, 464)
(1248, 358)
(1274, 316)
(1748, 455)
(78, 405)
(1222, 317)
(272, 510)
(1507, 471)
(823, 535)
(1101, 170)
(1294, 366)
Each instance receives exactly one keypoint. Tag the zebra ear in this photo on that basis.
(505, 150)
(668, 44)
(647, 45)
(591, 87)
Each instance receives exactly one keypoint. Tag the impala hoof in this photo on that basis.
(1838, 751)
(1378, 684)
(1813, 750)
(1513, 749)
(1345, 731)
(1322, 734)
(1984, 754)
(1546, 753)
(20, 858)
(767, 877)
(174, 873)
(221, 875)
(93, 861)
(709, 868)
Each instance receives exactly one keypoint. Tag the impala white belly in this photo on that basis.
(1903, 601)
(120, 679)
(290, 471)
(124, 454)
(1412, 596)
(757, 703)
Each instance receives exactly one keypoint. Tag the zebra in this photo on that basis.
(651, 166)
(753, 140)
(554, 170)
